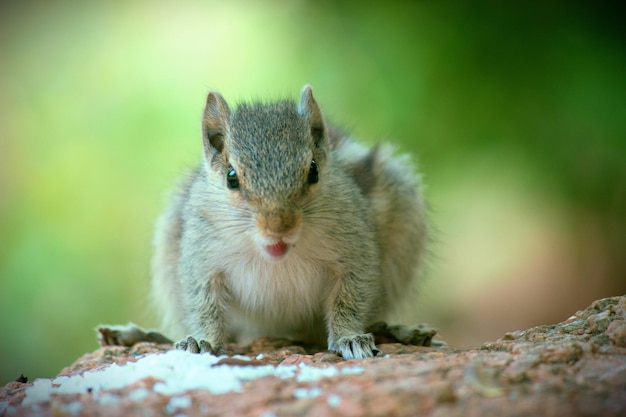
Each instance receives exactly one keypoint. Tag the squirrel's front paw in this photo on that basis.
(193, 345)
(356, 346)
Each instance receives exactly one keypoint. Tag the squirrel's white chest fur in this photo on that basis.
(275, 298)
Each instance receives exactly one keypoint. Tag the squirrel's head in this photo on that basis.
(269, 159)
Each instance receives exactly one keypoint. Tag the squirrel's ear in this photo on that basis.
(215, 123)
(309, 109)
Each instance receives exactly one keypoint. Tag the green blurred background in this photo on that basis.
(516, 115)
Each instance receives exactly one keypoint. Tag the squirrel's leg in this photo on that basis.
(347, 317)
(127, 335)
(205, 318)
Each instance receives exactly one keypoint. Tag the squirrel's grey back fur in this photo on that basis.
(346, 224)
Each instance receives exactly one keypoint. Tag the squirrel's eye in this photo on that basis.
(231, 179)
(314, 173)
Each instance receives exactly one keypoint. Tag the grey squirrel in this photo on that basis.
(287, 228)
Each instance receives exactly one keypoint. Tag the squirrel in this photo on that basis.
(287, 228)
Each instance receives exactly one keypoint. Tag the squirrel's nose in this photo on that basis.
(278, 224)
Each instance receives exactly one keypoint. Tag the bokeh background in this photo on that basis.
(515, 114)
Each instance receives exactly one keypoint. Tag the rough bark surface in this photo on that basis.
(574, 368)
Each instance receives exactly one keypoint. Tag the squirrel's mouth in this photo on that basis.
(277, 250)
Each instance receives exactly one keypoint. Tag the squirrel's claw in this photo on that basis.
(193, 345)
(357, 346)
